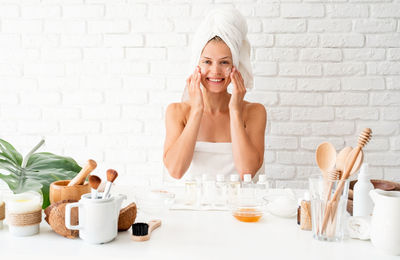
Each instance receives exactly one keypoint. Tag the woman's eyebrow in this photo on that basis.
(220, 58)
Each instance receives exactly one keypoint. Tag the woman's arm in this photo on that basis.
(247, 137)
(248, 143)
(181, 139)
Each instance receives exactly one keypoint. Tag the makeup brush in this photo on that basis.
(85, 171)
(94, 182)
(111, 176)
(142, 231)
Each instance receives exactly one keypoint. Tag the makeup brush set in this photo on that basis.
(95, 181)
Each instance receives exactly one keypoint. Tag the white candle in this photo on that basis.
(23, 203)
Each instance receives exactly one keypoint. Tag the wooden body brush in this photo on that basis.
(142, 231)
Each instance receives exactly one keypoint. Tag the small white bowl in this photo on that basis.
(281, 205)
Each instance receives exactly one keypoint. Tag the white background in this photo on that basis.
(95, 77)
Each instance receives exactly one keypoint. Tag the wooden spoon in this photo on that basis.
(342, 156)
(357, 163)
(325, 157)
(350, 164)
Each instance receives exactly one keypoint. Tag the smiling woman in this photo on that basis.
(212, 131)
(216, 65)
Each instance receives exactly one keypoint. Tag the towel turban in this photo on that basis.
(231, 27)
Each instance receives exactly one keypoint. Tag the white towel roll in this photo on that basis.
(359, 227)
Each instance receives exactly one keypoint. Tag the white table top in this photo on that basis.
(188, 234)
(194, 235)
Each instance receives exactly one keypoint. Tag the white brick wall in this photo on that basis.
(95, 77)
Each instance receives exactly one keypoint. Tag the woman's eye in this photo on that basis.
(206, 62)
(225, 62)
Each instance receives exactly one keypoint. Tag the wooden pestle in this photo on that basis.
(80, 178)
(363, 139)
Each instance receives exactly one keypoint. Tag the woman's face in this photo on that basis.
(216, 65)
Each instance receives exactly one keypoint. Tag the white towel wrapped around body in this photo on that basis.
(231, 27)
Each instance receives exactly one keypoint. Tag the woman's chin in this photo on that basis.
(215, 88)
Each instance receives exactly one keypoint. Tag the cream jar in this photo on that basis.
(24, 213)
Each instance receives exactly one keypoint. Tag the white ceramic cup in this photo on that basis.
(98, 218)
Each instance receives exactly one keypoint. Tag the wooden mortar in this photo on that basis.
(60, 191)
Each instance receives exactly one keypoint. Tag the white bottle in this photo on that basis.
(362, 203)
(208, 190)
(233, 188)
(247, 189)
(190, 191)
(220, 191)
(247, 181)
(199, 189)
(261, 186)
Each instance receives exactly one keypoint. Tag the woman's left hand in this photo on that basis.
(239, 91)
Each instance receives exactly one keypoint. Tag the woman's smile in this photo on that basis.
(215, 81)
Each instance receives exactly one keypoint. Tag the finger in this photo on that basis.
(190, 79)
(241, 81)
(239, 84)
(235, 88)
(188, 82)
(233, 80)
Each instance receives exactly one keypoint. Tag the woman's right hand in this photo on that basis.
(195, 93)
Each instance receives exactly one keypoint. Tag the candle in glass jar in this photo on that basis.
(24, 213)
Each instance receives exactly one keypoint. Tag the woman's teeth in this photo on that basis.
(215, 80)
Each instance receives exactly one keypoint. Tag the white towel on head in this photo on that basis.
(231, 27)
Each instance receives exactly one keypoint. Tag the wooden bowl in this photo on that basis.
(378, 184)
(60, 191)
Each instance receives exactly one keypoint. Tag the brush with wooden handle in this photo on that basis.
(80, 178)
(111, 176)
(94, 182)
(363, 139)
(142, 231)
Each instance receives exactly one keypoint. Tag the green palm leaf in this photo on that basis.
(40, 171)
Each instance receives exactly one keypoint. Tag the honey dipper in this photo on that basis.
(333, 175)
(363, 139)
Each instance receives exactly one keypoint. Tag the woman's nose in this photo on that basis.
(216, 68)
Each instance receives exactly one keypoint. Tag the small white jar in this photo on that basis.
(24, 213)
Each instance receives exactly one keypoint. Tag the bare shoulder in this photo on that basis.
(178, 111)
(255, 111)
